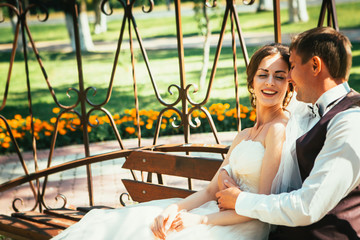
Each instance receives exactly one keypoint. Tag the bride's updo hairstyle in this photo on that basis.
(255, 61)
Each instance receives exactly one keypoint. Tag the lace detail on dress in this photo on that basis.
(245, 164)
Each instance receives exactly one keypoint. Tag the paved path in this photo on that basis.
(107, 175)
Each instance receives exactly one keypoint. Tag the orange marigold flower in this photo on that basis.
(202, 115)
(252, 117)
(227, 106)
(220, 117)
(53, 120)
(76, 122)
(56, 110)
(229, 113)
(47, 133)
(7, 139)
(148, 126)
(130, 130)
(163, 126)
(2, 135)
(62, 131)
(195, 114)
(243, 115)
(245, 109)
(5, 145)
(18, 116)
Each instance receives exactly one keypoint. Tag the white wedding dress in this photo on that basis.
(133, 222)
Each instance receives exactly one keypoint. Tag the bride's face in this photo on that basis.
(270, 83)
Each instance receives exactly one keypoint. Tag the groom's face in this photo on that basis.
(299, 75)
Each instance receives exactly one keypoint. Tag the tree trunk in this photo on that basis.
(297, 11)
(265, 5)
(13, 20)
(168, 3)
(100, 18)
(206, 49)
(86, 43)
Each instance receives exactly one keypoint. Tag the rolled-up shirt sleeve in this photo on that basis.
(336, 172)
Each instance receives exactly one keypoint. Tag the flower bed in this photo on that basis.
(99, 128)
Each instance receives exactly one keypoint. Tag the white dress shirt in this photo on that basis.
(336, 172)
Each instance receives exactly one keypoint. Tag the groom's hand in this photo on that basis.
(227, 198)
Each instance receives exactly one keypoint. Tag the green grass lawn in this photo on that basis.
(62, 72)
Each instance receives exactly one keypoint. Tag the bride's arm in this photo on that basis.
(198, 198)
(164, 221)
(271, 160)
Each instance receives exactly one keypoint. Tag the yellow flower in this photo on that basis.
(56, 110)
(163, 126)
(7, 139)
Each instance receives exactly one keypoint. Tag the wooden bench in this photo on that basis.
(158, 160)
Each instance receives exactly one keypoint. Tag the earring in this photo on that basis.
(253, 100)
(287, 99)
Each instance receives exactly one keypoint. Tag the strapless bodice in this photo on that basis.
(245, 164)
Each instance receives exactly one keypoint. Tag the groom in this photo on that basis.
(327, 206)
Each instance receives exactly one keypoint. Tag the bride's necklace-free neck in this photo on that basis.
(253, 133)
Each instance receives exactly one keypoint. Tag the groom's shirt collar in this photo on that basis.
(330, 98)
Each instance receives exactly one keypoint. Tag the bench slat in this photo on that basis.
(55, 221)
(22, 229)
(143, 192)
(193, 147)
(163, 163)
(66, 213)
(87, 209)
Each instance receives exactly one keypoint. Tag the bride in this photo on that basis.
(252, 162)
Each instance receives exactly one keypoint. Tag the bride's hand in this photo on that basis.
(164, 221)
(186, 219)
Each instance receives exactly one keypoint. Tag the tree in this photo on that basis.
(86, 43)
(14, 20)
(100, 18)
(202, 18)
(265, 5)
(297, 11)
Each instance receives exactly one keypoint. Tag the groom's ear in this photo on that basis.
(316, 65)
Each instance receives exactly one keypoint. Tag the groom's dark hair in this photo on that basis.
(331, 46)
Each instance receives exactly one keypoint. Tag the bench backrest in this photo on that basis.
(169, 164)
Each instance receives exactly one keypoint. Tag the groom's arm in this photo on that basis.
(335, 173)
